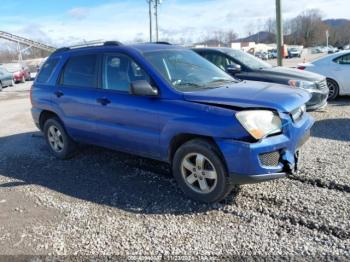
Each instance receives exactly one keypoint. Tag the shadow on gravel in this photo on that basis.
(334, 129)
(101, 176)
(341, 101)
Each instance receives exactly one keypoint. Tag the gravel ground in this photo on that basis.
(109, 203)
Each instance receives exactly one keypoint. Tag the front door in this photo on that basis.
(127, 122)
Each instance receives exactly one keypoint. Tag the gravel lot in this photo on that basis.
(108, 203)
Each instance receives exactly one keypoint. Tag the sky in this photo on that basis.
(62, 22)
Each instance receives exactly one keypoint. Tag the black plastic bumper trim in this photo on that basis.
(236, 179)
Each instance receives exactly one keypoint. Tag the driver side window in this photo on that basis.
(119, 71)
(219, 60)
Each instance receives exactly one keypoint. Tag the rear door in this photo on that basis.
(76, 95)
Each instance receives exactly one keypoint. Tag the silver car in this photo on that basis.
(6, 78)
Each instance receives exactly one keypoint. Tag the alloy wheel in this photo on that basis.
(199, 173)
(55, 138)
(333, 89)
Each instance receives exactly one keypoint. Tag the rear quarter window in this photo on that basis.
(46, 71)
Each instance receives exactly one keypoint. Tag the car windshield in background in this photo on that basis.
(187, 71)
(248, 60)
(12, 67)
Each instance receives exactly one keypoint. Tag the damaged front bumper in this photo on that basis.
(271, 158)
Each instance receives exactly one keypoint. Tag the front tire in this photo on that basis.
(333, 89)
(200, 172)
(60, 144)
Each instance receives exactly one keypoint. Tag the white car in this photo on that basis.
(336, 68)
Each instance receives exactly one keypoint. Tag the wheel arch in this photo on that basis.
(183, 138)
(45, 115)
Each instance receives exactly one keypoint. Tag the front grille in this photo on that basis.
(322, 84)
(270, 159)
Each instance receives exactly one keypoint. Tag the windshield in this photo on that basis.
(248, 60)
(187, 71)
(12, 67)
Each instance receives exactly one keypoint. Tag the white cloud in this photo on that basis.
(126, 20)
(78, 12)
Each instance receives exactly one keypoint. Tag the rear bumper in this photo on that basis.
(244, 160)
(17, 78)
(36, 116)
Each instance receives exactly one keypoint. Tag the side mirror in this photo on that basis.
(142, 88)
(233, 69)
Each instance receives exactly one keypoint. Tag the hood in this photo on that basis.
(291, 74)
(252, 94)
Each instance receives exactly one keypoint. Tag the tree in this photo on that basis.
(307, 29)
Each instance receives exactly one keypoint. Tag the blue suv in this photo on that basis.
(168, 103)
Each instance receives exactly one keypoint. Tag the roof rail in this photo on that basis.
(161, 43)
(117, 43)
(89, 44)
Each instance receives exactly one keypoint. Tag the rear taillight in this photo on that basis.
(301, 67)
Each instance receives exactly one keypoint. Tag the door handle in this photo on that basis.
(103, 101)
(58, 94)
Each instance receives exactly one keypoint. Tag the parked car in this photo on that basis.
(294, 52)
(168, 103)
(331, 49)
(272, 54)
(20, 72)
(5, 78)
(336, 68)
(319, 49)
(262, 55)
(246, 67)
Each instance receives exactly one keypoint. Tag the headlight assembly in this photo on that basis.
(302, 84)
(260, 123)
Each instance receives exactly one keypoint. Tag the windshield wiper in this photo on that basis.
(222, 81)
(188, 84)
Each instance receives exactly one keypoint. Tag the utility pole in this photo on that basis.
(150, 19)
(279, 33)
(327, 36)
(156, 3)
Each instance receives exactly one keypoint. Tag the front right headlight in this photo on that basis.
(260, 123)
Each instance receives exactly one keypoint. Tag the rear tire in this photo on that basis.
(200, 172)
(60, 144)
(333, 89)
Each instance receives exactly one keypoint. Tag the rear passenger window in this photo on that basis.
(80, 71)
(46, 70)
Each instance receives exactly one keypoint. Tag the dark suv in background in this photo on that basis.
(244, 66)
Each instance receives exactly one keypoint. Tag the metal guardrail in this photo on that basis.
(25, 41)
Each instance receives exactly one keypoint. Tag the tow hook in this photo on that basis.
(290, 162)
